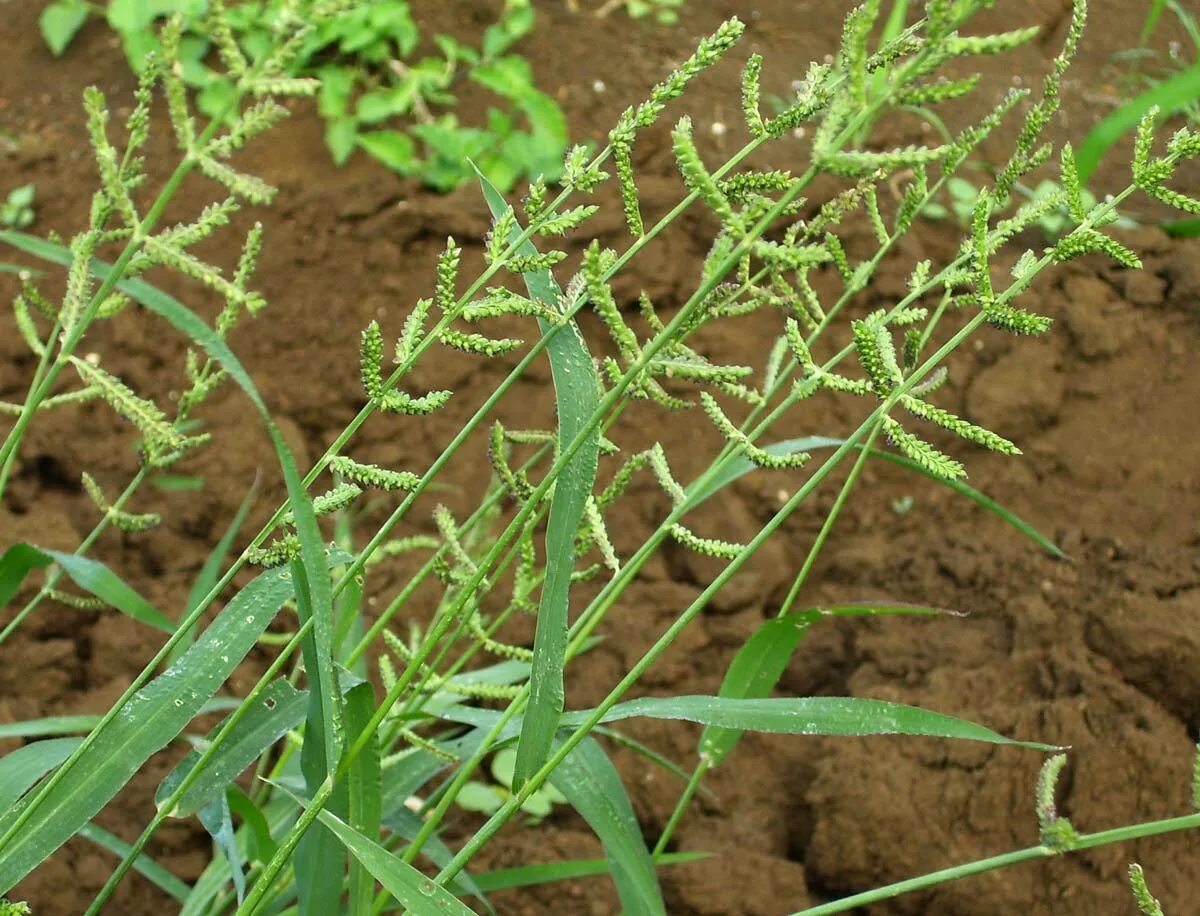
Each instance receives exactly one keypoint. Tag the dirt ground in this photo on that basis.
(1100, 652)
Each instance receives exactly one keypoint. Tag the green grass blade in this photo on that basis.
(839, 716)
(576, 394)
(217, 819)
(1169, 95)
(407, 824)
(982, 500)
(593, 787)
(758, 665)
(638, 748)
(1150, 23)
(741, 466)
(419, 893)
(531, 875)
(366, 794)
(753, 673)
(78, 725)
(152, 719)
(210, 572)
(6, 268)
(51, 725)
(261, 845)
(320, 860)
(143, 864)
(90, 575)
(21, 769)
(280, 707)
(1182, 228)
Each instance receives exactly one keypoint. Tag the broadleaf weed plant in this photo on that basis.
(327, 823)
(378, 93)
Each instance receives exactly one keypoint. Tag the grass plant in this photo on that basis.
(362, 716)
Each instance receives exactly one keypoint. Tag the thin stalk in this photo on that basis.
(681, 806)
(830, 520)
(1085, 841)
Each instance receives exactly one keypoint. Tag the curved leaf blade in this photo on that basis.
(90, 575)
(279, 708)
(21, 769)
(592, 785)
(853, 717)
(576, 394)
(530, 875)
(1178, 90)
(419, 893)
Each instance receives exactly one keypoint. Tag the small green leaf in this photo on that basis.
(754, 671)
(366, 799)
(143, 864)
(60, 22)
(341, 137)
(478, 797)
(394, 149)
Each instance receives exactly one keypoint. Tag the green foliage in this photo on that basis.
(17, 210)
(488, 798)
(377, 93)
(353, 786)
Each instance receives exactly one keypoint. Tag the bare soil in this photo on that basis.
(1100, 652)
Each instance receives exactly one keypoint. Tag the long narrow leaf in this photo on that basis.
(143, 864)
(419, 893)
(576, 394)
(366, 798)
(593, 787)
(530, 875)
(78, 725)
(842, 716)
(1170, 94)
(21, 769)
(152, 718)
(90, 575)
(279, 708)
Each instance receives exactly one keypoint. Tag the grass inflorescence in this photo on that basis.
(361, 718)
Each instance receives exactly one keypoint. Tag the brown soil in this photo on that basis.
(1100, 653)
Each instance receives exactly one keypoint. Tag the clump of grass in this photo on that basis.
(357, 764)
